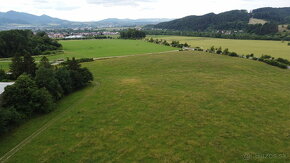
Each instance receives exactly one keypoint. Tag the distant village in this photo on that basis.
(78, 35)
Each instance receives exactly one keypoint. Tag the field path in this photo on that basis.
(102, 58)
(27, 140)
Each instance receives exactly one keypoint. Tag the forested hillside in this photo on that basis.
(232, 20)
(277, 15)
(235, 19)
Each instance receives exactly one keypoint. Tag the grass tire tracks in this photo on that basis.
(111, 57)
(27, 140)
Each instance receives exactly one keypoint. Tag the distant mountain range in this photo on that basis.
(235, 19)
(13, 19)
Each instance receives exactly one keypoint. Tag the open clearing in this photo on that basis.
(101, 48)
(258, 47)
(180, 106)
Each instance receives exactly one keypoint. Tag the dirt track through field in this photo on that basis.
(103, 58)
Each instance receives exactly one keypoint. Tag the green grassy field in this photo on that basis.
(175, 107)
(258, 47)
(106, 48)
(4, 65)
(102, 48)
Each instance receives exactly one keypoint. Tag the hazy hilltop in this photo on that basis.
(13, 19)
(235, 19)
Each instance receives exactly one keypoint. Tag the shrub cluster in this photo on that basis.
(81, 60)
(36, 93)
(176, 44)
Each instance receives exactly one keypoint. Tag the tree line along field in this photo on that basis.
(100, 48)
(257, 47)
(173, 107)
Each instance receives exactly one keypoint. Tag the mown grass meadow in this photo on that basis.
(174, 107)
(100, 48)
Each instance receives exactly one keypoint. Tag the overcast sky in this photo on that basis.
(92, 10)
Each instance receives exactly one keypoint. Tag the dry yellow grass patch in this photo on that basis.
(257, 21)
(130, 81)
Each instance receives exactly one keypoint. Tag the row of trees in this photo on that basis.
(132, 34)
(37, 88)
(259, 29)
(279, 62)
(215, 34)
(174, 43)
(25, 41)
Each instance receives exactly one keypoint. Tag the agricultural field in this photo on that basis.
(283, 28)
(173, 107)
(258, 47)
(101, 48)
(257, 21)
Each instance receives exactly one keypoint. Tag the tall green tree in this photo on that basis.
(219, 50)
(29, 65)
(44, 62)
(16, 67)
(64, 79)
(45, 78)
(73, 64)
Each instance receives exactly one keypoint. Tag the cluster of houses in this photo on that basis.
(76, 35)
(229, 32)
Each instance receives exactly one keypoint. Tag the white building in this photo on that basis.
(3, 85)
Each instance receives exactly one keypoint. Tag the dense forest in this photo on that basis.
(231, 20)
(276, 15)
(226, 20)
(132, 34)
(25, 42)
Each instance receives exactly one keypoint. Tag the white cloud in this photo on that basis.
(110, 3)
(91, 10)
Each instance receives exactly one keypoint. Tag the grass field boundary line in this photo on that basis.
(101, 58)
(111, 57)
(20, 145)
